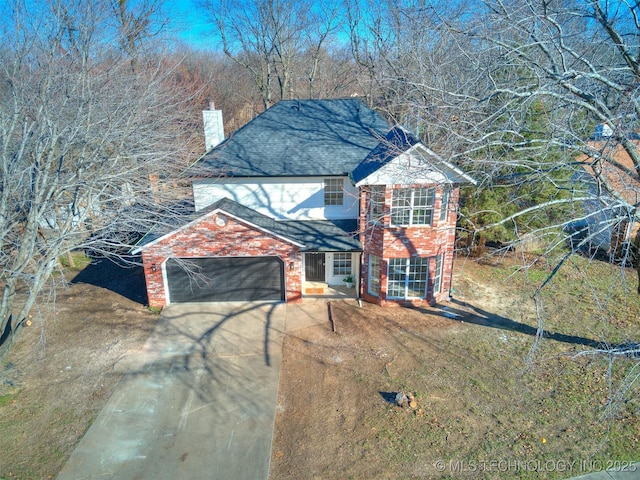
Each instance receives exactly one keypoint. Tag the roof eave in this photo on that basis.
(209, 214)
(460, 176)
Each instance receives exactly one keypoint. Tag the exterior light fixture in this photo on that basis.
(153, 267)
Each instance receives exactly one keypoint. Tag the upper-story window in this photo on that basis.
(412, 206)
(444, 205)
(333, 191)
(376, 209)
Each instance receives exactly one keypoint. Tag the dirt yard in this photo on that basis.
(486, 404)
(337, 416)
(483, 403)
(60, 376)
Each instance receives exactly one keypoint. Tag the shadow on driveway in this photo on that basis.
(198, 402)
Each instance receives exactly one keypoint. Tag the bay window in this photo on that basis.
(407, 277)
(374, 275)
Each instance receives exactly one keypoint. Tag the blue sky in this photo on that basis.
(187, 21)
(192, 25)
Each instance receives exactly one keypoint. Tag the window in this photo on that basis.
(437, 281)
(333, 193)
(374, 275)
(412, 206)
(444, 206)
(376, 209)
(407, 277)
(342, 263)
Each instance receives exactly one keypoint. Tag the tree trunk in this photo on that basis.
(70, 261)
(637, 257)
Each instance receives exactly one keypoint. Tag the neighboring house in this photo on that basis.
(607, 224)
(306, 194)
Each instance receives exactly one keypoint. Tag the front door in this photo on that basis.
(314, 267)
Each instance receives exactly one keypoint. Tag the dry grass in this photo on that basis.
(485, 401)
(488, 407)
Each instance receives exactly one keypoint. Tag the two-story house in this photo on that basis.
(311, 192)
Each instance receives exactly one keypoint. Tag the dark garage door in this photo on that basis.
(225, 279)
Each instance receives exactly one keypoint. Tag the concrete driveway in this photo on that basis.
(198, 403)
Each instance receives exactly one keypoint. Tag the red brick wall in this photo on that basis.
(208, 239)
(405, 242)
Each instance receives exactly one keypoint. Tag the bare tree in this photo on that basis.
(268, 38)
(81, 133)
(135, 24)
(517, 90)
(539, 100)
(574, 63)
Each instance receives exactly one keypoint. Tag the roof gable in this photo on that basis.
(395, 142)
(321, 235)
(226, 206)
(402, 159)
(298, 138)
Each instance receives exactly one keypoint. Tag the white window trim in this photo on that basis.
(411, 206)
(336, 190)
(437, 280)
(444, 204)
(372, 206)
(348, 259)
(407, 266)
(377, 279)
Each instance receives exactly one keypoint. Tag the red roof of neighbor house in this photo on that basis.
(626, 185)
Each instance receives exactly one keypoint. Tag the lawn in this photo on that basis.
(492, 401)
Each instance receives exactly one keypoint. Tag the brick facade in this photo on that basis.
(209, 238)
(423, 241)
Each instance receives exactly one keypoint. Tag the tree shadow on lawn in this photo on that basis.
(120, 277)
(477, 316)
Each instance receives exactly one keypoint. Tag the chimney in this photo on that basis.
(213, 127)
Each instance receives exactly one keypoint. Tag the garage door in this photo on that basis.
(225, 279)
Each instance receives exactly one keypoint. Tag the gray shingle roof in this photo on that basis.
(313, 235)
(324, 235)
(298, 138)
(396, 141)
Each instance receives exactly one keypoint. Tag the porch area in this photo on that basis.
(323, 290)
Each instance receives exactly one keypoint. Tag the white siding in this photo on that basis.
(407, 169)
(416, 166)
(294, 198)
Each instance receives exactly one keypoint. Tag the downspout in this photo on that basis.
(451, 273)
(358, 282)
